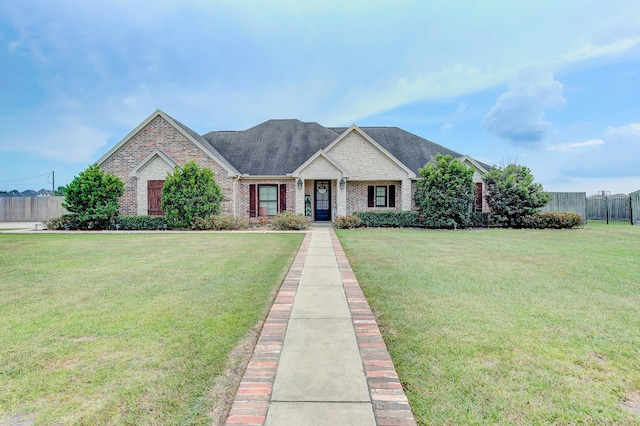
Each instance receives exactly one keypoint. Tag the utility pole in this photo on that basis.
(53, 183)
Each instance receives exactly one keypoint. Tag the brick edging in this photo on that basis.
(254, 393)
(390, 404)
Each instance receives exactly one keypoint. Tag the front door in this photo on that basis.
(322, 200)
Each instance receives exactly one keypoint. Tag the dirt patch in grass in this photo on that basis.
(633, 403)
(17, 420)
(224, 392)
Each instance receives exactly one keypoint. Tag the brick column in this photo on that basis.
(406, 194)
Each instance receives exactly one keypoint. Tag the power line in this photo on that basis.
(32, 177)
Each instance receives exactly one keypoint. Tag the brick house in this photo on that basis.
(280, 165)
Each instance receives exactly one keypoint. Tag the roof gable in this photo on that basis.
(155, 154)
(354, 155)
(192, 136)
(321, 156)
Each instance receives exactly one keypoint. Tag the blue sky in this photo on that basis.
(552, 85)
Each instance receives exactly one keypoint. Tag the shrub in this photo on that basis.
(479, 219)
(94, 197)
(190, 193)
(220, 223)
(512, 195)
(446, 195)
(390, 218)
(553, 220)
(347, 222)
(139, 223)
(62, 223)
(290, 221)
(263, 220)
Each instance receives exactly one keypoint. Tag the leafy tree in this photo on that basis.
(512, 195)
(190, 193)
(446, 194)
(60, 191)
(94, 196)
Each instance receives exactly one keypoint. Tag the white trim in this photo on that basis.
(474, 163)
(355, 128)
(265, 177)
(321, 153)
(156, 153)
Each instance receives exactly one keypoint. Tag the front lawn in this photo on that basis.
(128, 328)
(508, 326)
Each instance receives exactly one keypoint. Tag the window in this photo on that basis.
(268, 197)
(381, 196)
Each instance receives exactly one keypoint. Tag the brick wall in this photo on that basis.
(364, 161)
(357, 196)
(242, 194)
(160, 134)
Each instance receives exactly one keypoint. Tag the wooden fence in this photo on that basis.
(568, 202)
(27, 209)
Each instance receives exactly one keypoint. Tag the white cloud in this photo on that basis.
(518, 115)
(629, 133)
(67, 139)
(575, 146)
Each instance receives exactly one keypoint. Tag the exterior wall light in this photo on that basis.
(342, 183)
(299, 183)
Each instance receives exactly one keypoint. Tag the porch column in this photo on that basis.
(406, 194)
(299, 196)
(341, 199)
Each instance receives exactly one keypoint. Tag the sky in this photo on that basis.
(551, 85)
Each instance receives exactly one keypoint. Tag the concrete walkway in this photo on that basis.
(320, 359)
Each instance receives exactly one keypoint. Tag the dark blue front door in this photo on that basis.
(322, 196)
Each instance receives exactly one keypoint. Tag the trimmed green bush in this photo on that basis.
(389, 218)
(220, 223)
(347, 222)
(141, 223)
(94, 198)
(513, 196)
(553, 220)
(289, 221)
(479, 219)
(190, 193)
(446, 195)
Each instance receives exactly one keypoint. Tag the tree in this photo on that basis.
(60, 191)
(94, 196)
(446, 194)
(190, 193)
(512, 195)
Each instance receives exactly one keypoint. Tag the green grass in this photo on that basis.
(508, 326)
(128, 329)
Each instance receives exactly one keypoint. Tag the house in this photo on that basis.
(280, 165)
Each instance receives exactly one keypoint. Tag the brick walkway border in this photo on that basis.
(390, 404)
(251, 403)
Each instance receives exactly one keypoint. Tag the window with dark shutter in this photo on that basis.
(283, 197)
(371, 196)
(392, 195)
(252, 200)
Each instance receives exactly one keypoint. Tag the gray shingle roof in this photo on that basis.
(278, 147)
(275, 147)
